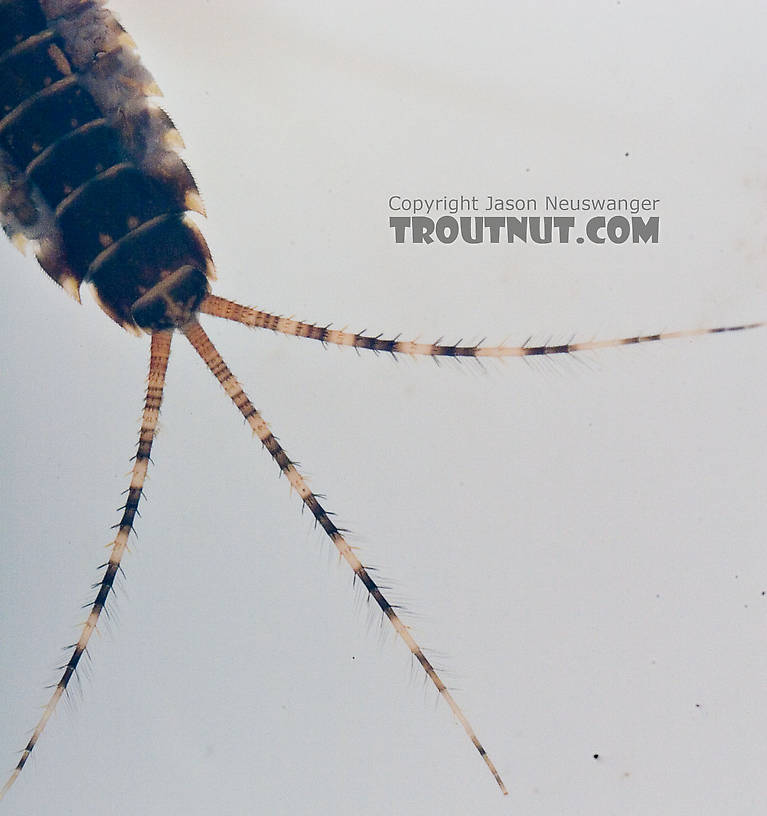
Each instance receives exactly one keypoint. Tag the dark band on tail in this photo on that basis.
(229, 310)
(199, 339)
(157, 367)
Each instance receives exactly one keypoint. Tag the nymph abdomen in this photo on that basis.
(88, 166)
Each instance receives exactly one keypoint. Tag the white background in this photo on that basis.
(581, 541)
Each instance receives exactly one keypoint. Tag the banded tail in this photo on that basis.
(158, 365)
(254, 318)
(213, 360)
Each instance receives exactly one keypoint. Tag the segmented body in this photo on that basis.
(88, 167)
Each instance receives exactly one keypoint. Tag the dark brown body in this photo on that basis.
(88, 166)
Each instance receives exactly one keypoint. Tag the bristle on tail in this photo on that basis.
(213, 360)
(160, 352)
(229, 310)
